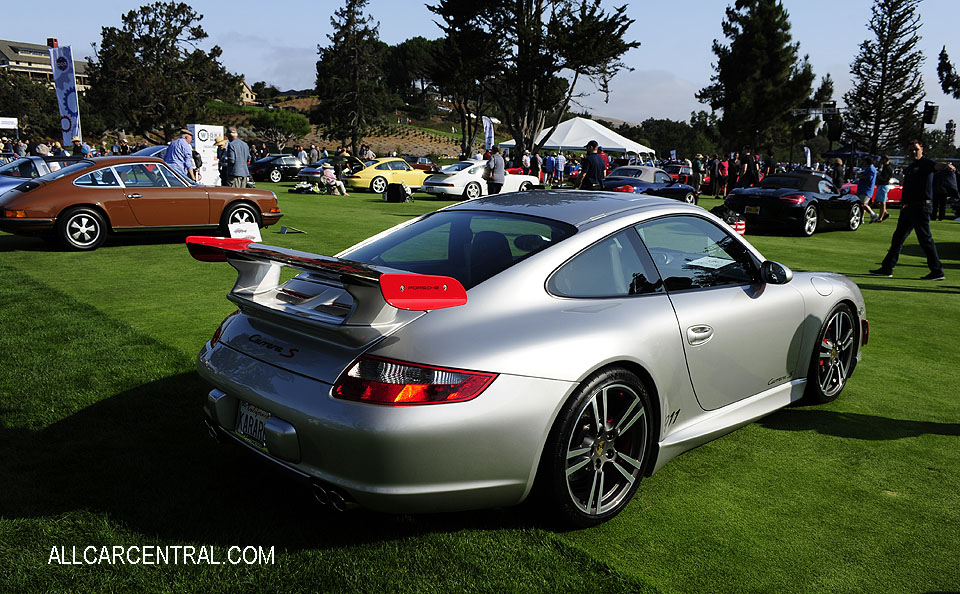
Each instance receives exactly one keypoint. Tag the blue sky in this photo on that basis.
(277, 42)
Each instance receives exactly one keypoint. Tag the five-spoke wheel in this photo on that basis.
(239, 213)
(81, 228)
(472, 191)
(378, 185)
(856, 217)
(810, 221)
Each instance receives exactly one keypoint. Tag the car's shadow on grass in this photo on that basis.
(10, 243)
(143, 458)
(854, 425)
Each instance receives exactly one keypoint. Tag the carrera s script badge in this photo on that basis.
(283, 352)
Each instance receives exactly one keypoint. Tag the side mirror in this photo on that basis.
(775, 273)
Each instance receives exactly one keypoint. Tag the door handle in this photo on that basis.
(134, 195)
(700, 334)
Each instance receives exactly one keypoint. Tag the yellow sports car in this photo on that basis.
(380, 172)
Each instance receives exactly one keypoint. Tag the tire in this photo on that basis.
(239, 213)
(809, 222)
(275, 176)
(378, 185)
(473, 190)
(581, 458)
(690, 198)
(856, 218)
(81, 228)
(525, 186)
(832, 357)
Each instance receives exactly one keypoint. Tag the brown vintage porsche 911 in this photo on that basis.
(83, 202)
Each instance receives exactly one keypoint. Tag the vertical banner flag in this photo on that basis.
(65, 83)
(806, 151)
(487, 132)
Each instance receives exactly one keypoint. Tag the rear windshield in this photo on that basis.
(458, 166)
(470, 246)
(782, 181)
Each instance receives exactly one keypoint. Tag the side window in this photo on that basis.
(101, 178)
(383, 166)
(172, 179)
(291, 161)
(399, 166)
(612, 267)
(826, 187)
(662, 178)
(138, 176)
(693, 253)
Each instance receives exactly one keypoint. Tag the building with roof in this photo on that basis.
(33, 60)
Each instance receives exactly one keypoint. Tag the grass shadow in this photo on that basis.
(144, 458)
(854, 425)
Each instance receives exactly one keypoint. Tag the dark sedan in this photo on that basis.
(801, 202)
(643, 179)
(276, 168)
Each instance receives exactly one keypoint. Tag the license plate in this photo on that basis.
(251, 422)
(753, 210)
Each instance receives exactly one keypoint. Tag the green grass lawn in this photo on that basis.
(101, 444)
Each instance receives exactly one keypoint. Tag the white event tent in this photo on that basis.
(575, 133)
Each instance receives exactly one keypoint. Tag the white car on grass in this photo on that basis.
(465, 178)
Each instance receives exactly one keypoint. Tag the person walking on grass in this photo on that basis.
(883, 187)
(916, 208)
(866, 185)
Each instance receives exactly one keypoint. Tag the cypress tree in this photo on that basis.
(883, 105)
(759, 77)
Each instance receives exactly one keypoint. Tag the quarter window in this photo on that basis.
(101, 178)
(693, 253)
(663, 178)
(611, 268)
(138, 176)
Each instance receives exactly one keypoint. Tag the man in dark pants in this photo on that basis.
(496, 171)
(591, 168)
(916, 207)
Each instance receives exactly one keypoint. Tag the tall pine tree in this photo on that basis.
(349, 76)
(883, 105)
(759, 78)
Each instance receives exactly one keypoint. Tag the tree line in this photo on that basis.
(525, 63)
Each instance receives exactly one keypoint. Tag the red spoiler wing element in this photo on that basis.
(420, 292)
(214, 249)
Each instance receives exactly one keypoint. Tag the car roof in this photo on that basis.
(121, 159)
(809, 182)
(576, 207)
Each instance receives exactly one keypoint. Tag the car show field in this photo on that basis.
(102, 445)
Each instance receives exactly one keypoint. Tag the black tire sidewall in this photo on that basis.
(227, 214)
(552, 474)
(64, 220)
(813, 394)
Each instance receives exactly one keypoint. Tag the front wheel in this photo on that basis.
(275, 176)
(856, 218)
(598, 448)
(809, 222)
(690, 198)
(378, 185)
(472, 191)
(81, 228)
(833, 356)
(525, 186)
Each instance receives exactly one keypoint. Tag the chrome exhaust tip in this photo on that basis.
(212, 431)
(320, 494)
(338, 502)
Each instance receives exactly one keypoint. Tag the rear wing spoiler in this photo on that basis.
(259, 266)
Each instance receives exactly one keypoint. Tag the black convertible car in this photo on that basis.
(643, 179)
(798, 201)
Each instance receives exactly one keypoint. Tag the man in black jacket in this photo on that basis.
(916, 208)
(591, 168)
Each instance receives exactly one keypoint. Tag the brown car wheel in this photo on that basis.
(81, 228)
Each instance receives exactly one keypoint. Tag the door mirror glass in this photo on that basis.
(775, 273)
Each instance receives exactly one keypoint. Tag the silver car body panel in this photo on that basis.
(485, 452)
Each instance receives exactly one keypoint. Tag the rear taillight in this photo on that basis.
(223, 326)
(15, 214)
(383, 381)
(792, 198)
(627, 188)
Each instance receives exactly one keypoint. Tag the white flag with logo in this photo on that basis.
(487, 132)
(65, 83)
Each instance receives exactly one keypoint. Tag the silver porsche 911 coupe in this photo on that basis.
(573, 340)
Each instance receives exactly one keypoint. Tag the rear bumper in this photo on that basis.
(270, 218)
(443, 457)
(26, 226)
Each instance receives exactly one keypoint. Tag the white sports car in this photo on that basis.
(466, 179)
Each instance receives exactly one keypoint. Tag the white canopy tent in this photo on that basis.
(575, 133)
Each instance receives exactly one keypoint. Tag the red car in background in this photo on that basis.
(679, 173)
(893, 196)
